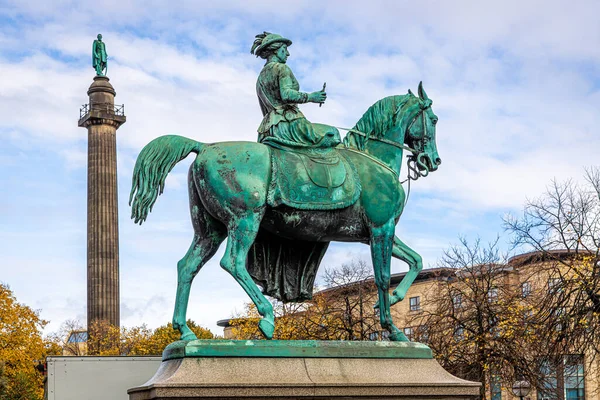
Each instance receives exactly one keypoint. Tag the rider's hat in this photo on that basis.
(266, 39)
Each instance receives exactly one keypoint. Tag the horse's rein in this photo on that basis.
(382, 140)
(370, 157)
(414, 161)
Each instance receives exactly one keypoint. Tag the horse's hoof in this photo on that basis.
(267, 328)
(187, 334)
(398, 337)
(394, 298)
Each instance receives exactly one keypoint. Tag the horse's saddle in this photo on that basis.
(313, 179)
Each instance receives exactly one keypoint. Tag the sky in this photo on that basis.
(515, 84)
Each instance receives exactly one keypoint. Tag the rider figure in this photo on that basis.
(283, 124)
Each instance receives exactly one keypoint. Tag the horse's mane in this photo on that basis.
(378, 119)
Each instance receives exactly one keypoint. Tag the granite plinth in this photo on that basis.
(320, 372)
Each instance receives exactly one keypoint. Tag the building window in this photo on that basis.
(415, 303)
(374, 336)
(493, 324)
(528, 320)
(560, 313)
(525, 289)
(423, 333)
(549, 389)
(493, 295)
(554, 284)
(574, 378)
(78, 337)
(563, 381)
(385, 335)
(457, 300)
(495, 388)
(409, 333)
(459, 333)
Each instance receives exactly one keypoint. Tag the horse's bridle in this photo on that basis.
(416, 165)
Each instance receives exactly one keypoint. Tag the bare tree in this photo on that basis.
(347, 302)
(475, 319)
(562, 227)
(71, 337)
(343, 310)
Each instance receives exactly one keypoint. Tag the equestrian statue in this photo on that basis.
(281, 201)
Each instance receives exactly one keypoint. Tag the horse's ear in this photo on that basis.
(422, 94)
(410, 92)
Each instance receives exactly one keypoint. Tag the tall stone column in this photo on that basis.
(102, 120)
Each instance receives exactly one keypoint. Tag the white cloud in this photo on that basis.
(515, 85)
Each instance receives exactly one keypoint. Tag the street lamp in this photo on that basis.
(521, 389)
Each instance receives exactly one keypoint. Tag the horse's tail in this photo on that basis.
(153, 165)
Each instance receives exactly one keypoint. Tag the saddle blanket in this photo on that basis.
(312, 179)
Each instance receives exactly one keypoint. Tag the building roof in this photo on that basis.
(444, 273)
(540, 256)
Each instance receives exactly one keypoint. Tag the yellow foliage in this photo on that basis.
(106, 340)
(21, 347)
(325, 317)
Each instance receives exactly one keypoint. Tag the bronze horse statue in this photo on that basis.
(229, 184)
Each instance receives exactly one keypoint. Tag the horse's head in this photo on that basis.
(420, 133)
(398, 123)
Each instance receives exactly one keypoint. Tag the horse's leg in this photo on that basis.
(200, 251)
(208, 235)
(382, 240)
(415, 264)
(242, 231)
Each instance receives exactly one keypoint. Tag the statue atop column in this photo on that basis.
(99, 56)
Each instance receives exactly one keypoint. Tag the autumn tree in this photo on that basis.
(164, 335)
(562, 227)
(342, 310)
(61, 341)
(245, 324)
(475, 320)
(21, 347)
(105, 339)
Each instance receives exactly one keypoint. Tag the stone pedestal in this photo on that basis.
(273, 371)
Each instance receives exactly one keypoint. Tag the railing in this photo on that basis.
(120, 110)
(106, 107)
(84, 110)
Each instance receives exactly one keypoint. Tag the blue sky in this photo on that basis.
(516, 86)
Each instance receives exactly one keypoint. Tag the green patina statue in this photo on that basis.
(278, 94)
(99, 57)
(280, 202)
